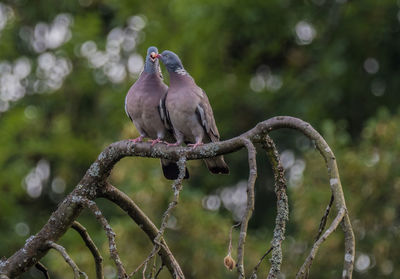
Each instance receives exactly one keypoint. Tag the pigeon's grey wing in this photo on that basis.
(206, 117)
(164, 114)
(126, 109)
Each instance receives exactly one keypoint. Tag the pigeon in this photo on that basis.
(142, 107)
(188, 112)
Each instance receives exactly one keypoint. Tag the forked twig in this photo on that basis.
(303, 272)
(324, 218)
(176, 187)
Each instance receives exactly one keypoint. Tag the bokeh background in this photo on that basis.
(65, 67)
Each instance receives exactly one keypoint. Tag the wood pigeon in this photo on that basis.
(142, 107)
(188, 112)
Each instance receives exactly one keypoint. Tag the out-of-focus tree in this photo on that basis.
(65, 69)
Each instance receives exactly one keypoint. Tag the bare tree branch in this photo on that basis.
(254, 273)
(249, 207)
(282, 207)
(324, 218)
(92, 247)
(67, 258)
(95, 179)
(125, 203)
(159, 270)
(110, 235)
(39, 266)
(303, 272)
(176, 187)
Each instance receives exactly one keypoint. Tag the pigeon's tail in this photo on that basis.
(171, 169)
(217, 165)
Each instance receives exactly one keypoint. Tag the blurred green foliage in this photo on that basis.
(64, 72)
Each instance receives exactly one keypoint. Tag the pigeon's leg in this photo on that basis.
(138, 139)
(194, 145)
(179, 138)
(154, 142)
(198, 143)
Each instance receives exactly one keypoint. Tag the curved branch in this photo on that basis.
(249, 207)
(92, 247)
(67, 258)
(95, 179)
(282, 207)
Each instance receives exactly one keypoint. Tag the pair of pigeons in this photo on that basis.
(180, 112)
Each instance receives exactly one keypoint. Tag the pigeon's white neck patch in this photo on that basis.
(181, 71)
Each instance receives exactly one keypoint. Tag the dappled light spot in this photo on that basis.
(6, 15)
(110, 272)
(46, 36)
(36, 179)
(22, 229)
(378, 87)
(58, 185)
(234, 199)
(264, 79)
(386, 267)
(363, 262)
(211, 202)
(305, 33)
(371, 65)
(135, 63)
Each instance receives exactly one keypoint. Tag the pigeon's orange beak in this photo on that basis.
(153, 56)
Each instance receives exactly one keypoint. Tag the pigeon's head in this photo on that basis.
(170, 60)
(151, 65)
(152, 53)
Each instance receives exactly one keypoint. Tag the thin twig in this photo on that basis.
(229, 262)
(324, 218)
(282, 204)
(176, 187)
(249, 207)
(67, 258)
(92, 247)
(254, 273)
(110, 235)
(230, 238)
(159, 270)
(153, 270)
(39, 266)
(303, 272)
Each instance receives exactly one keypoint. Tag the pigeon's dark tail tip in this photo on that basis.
(217, 165)
(171, 170)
